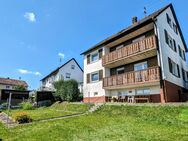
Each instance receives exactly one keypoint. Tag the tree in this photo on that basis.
(67, 90)
(20, 88)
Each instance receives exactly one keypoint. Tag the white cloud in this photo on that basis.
(23, 71)
(62, 55)
(30, 16)
(37, 73)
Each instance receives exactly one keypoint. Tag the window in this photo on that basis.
(95, 77)
(94, 57)
(168, 20)
(118, 47)
(171, 42)
(173, 68)
(184, 75)
(142, 91)
(73, 67)
(181, 53)
(95, 93)
(61, 77)
(175, 28)
(120, 70)
(139, 39)
(68, 75)
(7, 87)
(140, 66)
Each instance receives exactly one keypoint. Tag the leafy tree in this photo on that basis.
(20, 88)
(67, 90)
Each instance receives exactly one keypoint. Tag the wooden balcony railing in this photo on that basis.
(134, 77)
(129, 50)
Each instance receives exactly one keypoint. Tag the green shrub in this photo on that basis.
(22, 117)
(3, 106)
(27, 106)
(67, 90)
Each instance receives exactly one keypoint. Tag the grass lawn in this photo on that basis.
(55, 110)
(119, 123)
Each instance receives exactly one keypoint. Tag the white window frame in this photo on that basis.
(119, 47)
(142, 91)
(73, 67)
(139, 39)
(68, 75)
(174, 68)
(97, 72)
(119, 69)
(92, 54)
(142, 63)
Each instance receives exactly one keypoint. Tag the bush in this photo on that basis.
(27, 106)
(67, 90)
(3, 106)
(22, 118)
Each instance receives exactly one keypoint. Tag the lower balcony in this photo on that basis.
(145, 77)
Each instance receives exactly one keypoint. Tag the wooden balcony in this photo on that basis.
(132, 79)
(131, 53)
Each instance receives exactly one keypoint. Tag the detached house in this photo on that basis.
(144, 62)
(8, 86)
(70, 70)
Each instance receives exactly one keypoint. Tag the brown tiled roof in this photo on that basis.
(7, 81)
(134, 26)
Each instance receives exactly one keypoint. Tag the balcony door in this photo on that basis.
(140, 75)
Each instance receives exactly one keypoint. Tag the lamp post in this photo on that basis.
(9, 104)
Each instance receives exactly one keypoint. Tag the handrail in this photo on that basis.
(133, 77)
(126, 51)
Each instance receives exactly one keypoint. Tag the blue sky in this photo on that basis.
(34, 34)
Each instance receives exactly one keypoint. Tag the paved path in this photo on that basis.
(7, 120)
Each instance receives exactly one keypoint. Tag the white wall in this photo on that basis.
(92, 87)
(166, 51)
(76, 74)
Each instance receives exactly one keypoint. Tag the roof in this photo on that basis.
(13, 82)
(135, 26)
(56, 70)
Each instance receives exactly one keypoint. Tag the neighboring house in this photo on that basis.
(147, 59)
(10, 84)
(69, 70)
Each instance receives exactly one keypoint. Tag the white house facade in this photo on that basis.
(70, 70)
(145, 62)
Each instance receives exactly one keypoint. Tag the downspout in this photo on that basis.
(160, 69)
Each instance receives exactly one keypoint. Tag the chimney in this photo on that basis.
(134, 20)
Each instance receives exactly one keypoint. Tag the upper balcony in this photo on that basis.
(136, 51)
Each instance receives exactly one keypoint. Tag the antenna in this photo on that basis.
(145, 11)
(60, 60)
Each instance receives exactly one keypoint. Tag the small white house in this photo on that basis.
(70, 70)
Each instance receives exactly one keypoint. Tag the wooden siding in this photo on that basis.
(132, 49)
(135, 77)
